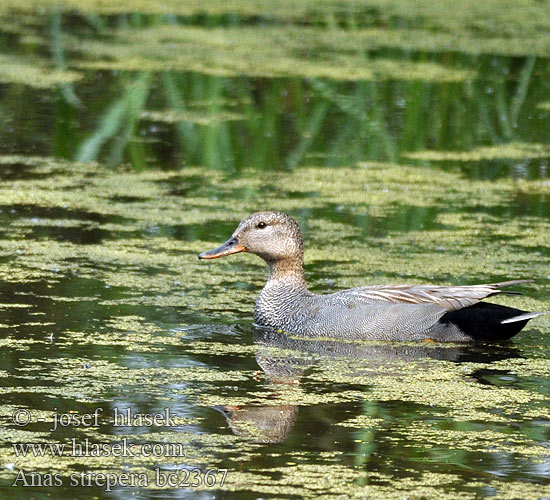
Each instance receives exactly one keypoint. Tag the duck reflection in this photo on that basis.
(261, 424)
(284, 359)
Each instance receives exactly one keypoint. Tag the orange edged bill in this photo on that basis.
(230, 246)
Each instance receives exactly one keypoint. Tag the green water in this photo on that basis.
(411, 140)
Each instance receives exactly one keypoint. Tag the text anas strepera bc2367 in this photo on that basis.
(394, 312)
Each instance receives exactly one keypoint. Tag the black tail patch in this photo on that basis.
(482, 321)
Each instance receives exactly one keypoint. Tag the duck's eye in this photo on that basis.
(261, 225)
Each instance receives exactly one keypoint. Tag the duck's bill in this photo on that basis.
(229, 247)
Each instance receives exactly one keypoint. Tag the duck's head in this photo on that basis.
(274, 236)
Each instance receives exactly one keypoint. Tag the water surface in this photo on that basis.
(411, 142)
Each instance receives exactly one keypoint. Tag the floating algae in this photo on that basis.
(120, 312)
(512, 151)
(33, 73)
(266, 52)
(496, 18)
(199, 118)
(379, 191)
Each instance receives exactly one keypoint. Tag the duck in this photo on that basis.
(379, 312)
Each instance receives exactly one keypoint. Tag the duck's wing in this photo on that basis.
(448, 297)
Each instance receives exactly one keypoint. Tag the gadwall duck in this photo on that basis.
(394, 312)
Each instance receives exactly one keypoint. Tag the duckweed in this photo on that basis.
(244, 51)
(513, 151)
(104, 303)
(200, 118)
(33, 73)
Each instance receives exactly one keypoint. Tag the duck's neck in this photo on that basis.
(289, 271)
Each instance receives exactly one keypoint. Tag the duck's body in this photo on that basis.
(398, 312)
(389, 313)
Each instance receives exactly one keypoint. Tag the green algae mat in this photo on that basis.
(410, 139)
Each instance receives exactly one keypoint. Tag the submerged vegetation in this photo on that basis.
(470, 75)
(411, 141)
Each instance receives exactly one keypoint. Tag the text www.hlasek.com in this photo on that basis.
(180, 478)
(122, 448)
